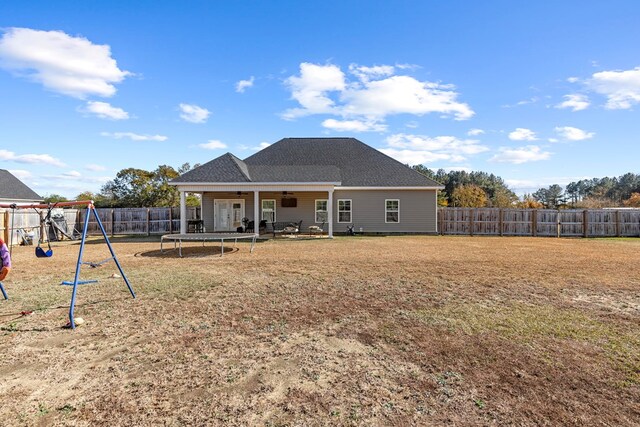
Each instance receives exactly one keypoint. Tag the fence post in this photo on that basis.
(113, 222)
(500, 219)
(6, 226)
(148, 222)
(534, 223)
(617, 223)
(170, 219)
(558, 224)
(471, 222)
(585, 223)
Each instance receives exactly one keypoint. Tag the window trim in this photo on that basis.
(350, 210)
(275, 205)
(387, 211)
(315, 210)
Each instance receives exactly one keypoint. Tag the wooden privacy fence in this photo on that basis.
(539, 222)
(145, 221)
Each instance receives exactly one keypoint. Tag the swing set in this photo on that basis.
(41, 253)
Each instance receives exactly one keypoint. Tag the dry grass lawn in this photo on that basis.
(354, 331)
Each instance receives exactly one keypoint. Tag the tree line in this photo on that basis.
(482, 189)
(593, 193)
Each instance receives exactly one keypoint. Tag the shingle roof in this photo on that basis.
(12, 188)
(345, 160)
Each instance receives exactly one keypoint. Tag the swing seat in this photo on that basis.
(41, 253)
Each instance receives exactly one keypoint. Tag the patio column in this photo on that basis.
(183, 212)
(256, 212)
(330, 212)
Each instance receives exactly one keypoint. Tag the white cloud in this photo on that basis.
(365, 74)
(324, 89)
(311, 87)
(64, 64)
(553, 140)
(418, 149)
(529, 153)
(243, 85)
(522, 134)
(75, 176)
(403, 95)
(213, 144)
(194, 114)
(354, 125)
(475, 132)
(21, 174)
(575, 101)
(95, 168)
(622, 88)
(104, 110)
(37, 159)
(573, 134)
(573, 80)
(134, 136)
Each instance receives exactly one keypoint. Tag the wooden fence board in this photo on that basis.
(540, 222)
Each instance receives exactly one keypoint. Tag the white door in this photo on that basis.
(227, 214)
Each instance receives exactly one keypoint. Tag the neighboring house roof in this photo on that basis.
(13, 189)
(347, 161)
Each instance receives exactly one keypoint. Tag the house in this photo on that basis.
(12, 190)
(338, 182)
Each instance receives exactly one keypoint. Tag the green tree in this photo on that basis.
(54, 198)
(551, 197)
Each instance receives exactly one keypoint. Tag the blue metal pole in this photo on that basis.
(4, 293)
(113, 254)
(78, 267)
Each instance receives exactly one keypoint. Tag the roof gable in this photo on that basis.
(12, 188)
(226, 168)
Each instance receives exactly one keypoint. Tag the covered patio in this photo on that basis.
(228, 208)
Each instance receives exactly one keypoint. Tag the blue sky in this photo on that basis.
(535, 92)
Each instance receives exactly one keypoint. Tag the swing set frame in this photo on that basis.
(76, 280)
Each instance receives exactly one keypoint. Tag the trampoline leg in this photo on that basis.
(4, 293)
(253, 242)
(221, 247)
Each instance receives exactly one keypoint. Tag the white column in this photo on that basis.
(330, 212)
(183, 212)
(256, 212)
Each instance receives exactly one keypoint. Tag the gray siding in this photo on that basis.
(417, 209)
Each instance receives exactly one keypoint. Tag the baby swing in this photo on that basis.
(41, 253)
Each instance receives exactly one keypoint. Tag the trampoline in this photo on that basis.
(205, 237)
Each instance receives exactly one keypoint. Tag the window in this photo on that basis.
(321, 211)
(344, 210)
(392, 210)
(269, 210)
